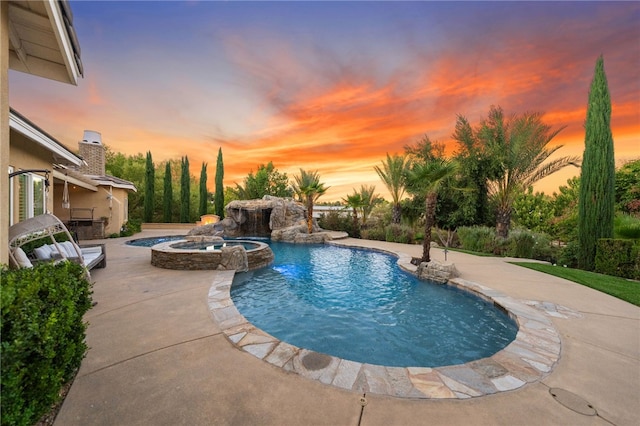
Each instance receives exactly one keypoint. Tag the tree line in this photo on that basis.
(166, 195)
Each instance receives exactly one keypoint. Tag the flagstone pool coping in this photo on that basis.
(529, 358)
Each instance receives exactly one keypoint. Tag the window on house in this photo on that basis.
(31, 196)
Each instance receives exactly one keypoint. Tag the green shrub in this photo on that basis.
(527, 244)
(43, 336)
(131, 227)
(626, 226)
(374, 233)
(337, 221)
(520, 244)
(380, 216)
(395, 233)
(545, 249)
(478, 238)
(569, 255)
(619, 258)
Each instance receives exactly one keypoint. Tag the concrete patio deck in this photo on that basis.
(157, 357)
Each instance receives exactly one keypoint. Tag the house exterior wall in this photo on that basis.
(118, 210)
(4, 131)
(66, 71)
(113, 211)
(26, 154)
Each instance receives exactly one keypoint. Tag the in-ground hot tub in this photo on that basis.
(202, 254)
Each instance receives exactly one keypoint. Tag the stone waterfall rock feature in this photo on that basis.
(261, 217)
(279, 218)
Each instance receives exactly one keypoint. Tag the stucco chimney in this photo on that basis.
(92, 151)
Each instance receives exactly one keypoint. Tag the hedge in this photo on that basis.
(618, 257)
(43, 336)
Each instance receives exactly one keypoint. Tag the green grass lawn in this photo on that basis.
(626, 290)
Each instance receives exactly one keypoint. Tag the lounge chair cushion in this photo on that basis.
(70, 249)
(57, 252)
(21, 258)
(42, 252)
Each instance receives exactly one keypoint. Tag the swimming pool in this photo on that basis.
(208, 245)
(359, 305)
(152, 241)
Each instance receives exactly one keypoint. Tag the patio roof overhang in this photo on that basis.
(43, 41)
(61, 154)
(72, 179)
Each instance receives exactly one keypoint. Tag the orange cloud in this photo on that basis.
(302, 105)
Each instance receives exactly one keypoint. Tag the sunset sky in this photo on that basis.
(333, 86)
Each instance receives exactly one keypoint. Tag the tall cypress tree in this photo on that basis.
(219, 196)
(185, 190)
(203, 189)
(167, 202)
(597, 180)
(149, 188)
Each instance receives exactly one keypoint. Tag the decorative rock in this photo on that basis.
(205, 230)
(279, 218)
(282, 354)
(261, 217)
(437, 271)
(289, 233)
(346, 374)
(204, 238)
(285, 213)
(315, 238)
(234, 258)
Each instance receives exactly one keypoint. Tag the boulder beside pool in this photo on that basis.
(436, 271)
(233, 258)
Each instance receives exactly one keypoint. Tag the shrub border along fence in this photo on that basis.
(43, 336)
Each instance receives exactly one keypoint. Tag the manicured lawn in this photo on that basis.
(626, 290)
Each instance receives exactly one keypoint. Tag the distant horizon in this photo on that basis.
(333, 86)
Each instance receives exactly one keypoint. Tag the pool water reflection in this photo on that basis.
(359, 305)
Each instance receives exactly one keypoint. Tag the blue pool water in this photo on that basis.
(208, 245)
(359, 305)
(152, 241)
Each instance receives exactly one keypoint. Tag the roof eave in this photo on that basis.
(63, 32)
(23, 126)
(66, 40)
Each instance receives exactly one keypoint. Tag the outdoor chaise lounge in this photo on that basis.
(46, 227)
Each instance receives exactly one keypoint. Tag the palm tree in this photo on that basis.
(308, 188)
(520, 144)
(392, 174)
(426, 178)
(369, 199)
(356, 202)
